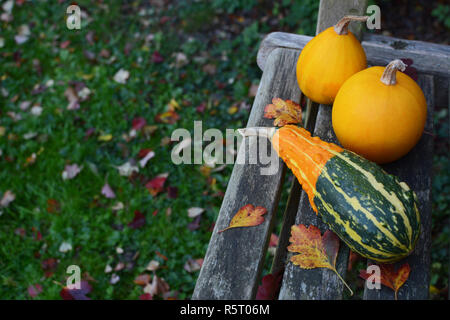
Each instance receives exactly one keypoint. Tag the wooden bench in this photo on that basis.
(234, 259)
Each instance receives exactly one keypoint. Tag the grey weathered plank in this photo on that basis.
(416, 170)
(324, 284)
(428, 57)
(318, 283)
(331, 11)
(234, 258)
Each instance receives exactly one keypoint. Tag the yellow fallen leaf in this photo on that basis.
(247, 216)
(233, 109)
(105, 137)
(2, 131)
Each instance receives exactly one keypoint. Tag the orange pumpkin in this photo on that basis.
(380, 113)
(328, 60)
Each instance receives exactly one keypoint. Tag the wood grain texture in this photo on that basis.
(233, 261)
(315, 284)
(416, 170)
(427, 57)
(331, 11)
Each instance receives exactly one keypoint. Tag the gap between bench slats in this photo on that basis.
(234, 259)
(416, 170)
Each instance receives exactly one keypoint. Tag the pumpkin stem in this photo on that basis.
(258, 131)
(389, 77)
(341, 27)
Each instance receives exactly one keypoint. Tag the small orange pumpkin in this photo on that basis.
(380, 113)
(328, 60)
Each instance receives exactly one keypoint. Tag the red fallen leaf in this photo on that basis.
(273, 240)
(156, 185)
(157, 57)
(159, 254)
(164, 19)
(201, 107)
(139, 123)
(37, 234)
(390, 277)
(138, 220)
(34, 290)
(64, 44)
(145, 296)
(143, 152)
(20, 232)
(172, 192)
(53, 206)
(89, 132)
(155, 213)
(270, 286)
(76, 294)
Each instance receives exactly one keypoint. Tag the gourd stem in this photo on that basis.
(389, 77)
(258, 131)
(341, 27)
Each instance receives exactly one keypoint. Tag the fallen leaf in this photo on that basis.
(152, 265)
(34, 290)
(142, 279)
(138, 123)
(114, 279)
(194, 225)
(284, 112)
(36, 110)
(172, 192)
(121, 76)
(270, 286)
(71, 171)
(72, 98)
(193, 265)
(273, 240)
(156, 185)
(157, 287)
(195, 211)
(7, 198)
(157, 57)
(148, 156)
(168, 117)
(76, 294)
(145, 296)
(138, 220)
(316, 251)
(65, 247)
(390, 277)
(247, 216)
(353, 257)
(127, 169)
(108, 192)
(105, 137)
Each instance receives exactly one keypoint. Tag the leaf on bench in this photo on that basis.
(284, 112)
(390, 277)
(247, 216)
(316, 251)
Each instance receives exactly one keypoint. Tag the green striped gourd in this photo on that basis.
(373, 212)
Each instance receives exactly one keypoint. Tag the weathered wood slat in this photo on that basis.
(416, 170)
(428, 58)
(323, 284)
(233, 262)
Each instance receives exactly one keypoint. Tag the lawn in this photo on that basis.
(80, 110)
